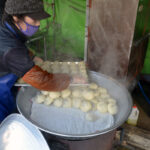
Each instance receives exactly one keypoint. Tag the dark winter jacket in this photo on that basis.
(2, 4)
(14, 55)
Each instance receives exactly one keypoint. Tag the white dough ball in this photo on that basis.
(89, 117)
(100, 99)
(76, 93)
(65, 63)
(73, 64)
(94, 107)
(96, 93)
(44, 92)
(93, 86)
(99, 89)
(58, 102)
(103, 100)
(54, 95)
(76, 102)
(112, 109)
(40, 98)
(103, 90)
(102, 107)
(51, 63)
(45, 67)
(104, 96)
(94, 100)
(65, 93)
(111, 101)
(48, 100)
(88, 94)
(92, 116)
(85, 106)
(67, 103)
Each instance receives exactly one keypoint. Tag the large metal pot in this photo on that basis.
(17, 128)
(119, 92)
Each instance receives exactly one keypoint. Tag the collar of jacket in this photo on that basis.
(16, 32)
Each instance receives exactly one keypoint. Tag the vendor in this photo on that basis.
(20, 20)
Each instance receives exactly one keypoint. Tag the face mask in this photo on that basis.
(30, 30)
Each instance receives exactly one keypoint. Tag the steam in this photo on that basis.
(111, 33)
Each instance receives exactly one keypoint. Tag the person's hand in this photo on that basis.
(43, 80)
(78, 80)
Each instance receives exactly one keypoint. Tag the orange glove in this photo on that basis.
(46, 81)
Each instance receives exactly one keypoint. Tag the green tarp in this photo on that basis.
(142, 28)
(66, 32)
(146, 67)
(70, 16)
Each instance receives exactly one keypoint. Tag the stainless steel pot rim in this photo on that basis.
(86, 136)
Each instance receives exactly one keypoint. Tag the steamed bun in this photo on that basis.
(65, 93)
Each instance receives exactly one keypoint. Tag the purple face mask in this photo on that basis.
(30, 30)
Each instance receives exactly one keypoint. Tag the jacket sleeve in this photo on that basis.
(2, 5)
(18, 61)
(46, 81)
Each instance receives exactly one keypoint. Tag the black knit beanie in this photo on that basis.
(32, 8)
